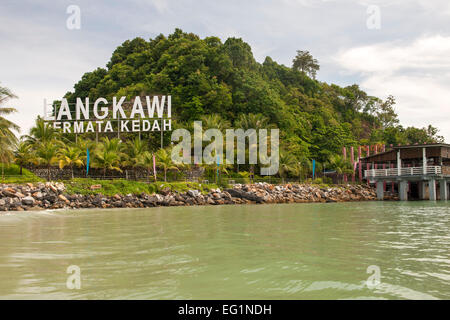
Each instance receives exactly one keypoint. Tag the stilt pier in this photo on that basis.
(413, 172)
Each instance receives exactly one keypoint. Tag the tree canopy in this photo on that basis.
(208, 76)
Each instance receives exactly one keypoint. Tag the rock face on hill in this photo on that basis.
(53, 195)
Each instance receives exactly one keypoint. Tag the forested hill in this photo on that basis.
(206, 76)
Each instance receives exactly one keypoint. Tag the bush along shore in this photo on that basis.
(54, 195)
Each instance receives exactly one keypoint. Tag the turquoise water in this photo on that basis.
(284, 251)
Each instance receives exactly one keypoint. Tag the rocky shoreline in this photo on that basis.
(53, 195)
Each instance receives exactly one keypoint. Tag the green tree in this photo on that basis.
(305, 62)
(47, 155)
(287, 163)
(340, 165)
(6, 155)
(7, 127)
(41, 132)
(214, 121)
(146, 160)
(302, 168)
(70, 156)
(23, 155)
(107, 157)
(133, 151)
(165, 162)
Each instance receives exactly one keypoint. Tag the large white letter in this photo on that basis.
(83, 108)
(155, 104)
(118, 107)
(64, 110)
(103, 109)
(137, 108)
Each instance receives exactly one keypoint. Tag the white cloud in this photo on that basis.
(417, 74)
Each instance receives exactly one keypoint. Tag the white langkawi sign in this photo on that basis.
(148, 114)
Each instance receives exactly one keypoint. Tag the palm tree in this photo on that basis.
(83, 145)
(6, 155)
(70, 156)
(340, 165)
(47, 155)
(113, 145)
(7, 127)
(286, 164)
(133, 151)
(302, 168)
(146, 160)
(223, 169)
(41, 132)
(214, 121)
(23, 155)
(253, 121)
(106, 159)
(108, 155)
(165, 161)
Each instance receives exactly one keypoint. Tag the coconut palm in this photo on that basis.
(287, 163)
(214, 121)
(302, 168)
(133, 151)
(113, 145)
(7, 127)
(224, 168)
(340, 165)
(23, 155)
(6, 155)
(146, 160)
(83, 145)
(47, 154)
(106, 159)
(70, 156)
(253, 121)
(42, 132)
(164, 160)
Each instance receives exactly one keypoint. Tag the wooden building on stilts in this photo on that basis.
(414, 171)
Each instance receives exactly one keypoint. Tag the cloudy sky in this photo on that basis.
(405, 53)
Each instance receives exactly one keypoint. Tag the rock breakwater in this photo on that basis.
(53, 195)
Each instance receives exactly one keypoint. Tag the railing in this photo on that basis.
(411, 171)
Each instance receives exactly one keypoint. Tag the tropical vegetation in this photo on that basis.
(221, 84)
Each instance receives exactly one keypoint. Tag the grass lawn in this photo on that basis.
(12, 175)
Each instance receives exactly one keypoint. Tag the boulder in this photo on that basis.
(244, 195)
(193, 193)
(28, 201)
(38, 195)
(9, 192)
(62, 198)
